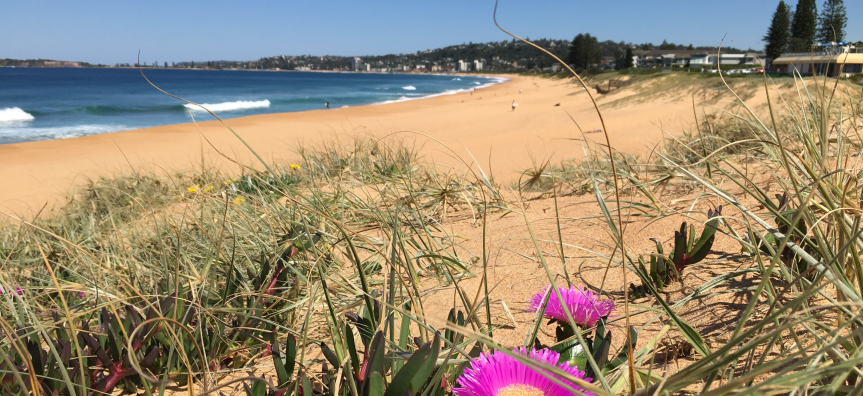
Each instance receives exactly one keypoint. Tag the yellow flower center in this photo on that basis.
(519, 390)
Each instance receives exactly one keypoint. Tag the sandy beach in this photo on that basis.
(480, 124)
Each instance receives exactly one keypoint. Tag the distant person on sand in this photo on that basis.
(514, 105)
(519, 91)
(328, 105)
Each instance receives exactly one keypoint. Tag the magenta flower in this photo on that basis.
(584, 306)
(498, 374)
(17, 290)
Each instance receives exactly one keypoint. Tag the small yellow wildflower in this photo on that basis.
(295, 166)
(208, 188)
(229, 181)
(193, 189)
(239, 200)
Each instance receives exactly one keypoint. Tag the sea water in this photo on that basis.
(57, 103)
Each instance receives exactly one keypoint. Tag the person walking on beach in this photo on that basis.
(514, 105)
(328, 105)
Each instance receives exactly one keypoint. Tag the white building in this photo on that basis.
(461, 65)
(358, 65)
(830, 59)
(479, 65)
(727, 59)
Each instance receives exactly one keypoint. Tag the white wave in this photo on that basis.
(231, 106)
(25, 134)
(410, 88)
(494, 81)
(477, 82)
(15, 114)
(456, 79)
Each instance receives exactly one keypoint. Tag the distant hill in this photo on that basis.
(42, 63)
(499, 56)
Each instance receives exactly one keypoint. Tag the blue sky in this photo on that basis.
(113, 31)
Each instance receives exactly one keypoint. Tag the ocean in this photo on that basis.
(58, 103)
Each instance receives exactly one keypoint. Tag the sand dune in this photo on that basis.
(481, 124)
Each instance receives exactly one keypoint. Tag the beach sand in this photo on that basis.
(481, 125)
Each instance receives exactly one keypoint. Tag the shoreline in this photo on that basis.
(226, 114)
(48, 180)
(477, 129)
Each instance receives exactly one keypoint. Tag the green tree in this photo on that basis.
(584, 51)
(627, 60)
(624, 58)
(576, 50)
(832, 21)
(804, 25)
(667, 46)
(778, 34)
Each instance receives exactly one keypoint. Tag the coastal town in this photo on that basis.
(497, 58)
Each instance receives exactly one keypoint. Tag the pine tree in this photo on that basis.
(576, 51)
(804, 25)
(832, 21)
(627, 61)
(667, 46)
(584, 51)
(777, 35)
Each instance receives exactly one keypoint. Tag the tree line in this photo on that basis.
(798, 30)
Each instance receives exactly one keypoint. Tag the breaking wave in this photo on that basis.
(410, 88)
(492, 81)
(231, 106)
(15, 114)
(15, 135)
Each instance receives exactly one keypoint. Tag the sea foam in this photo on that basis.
(14, 135)
(231, 106)
(410, 88)
(15, 114)
(493, 81)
